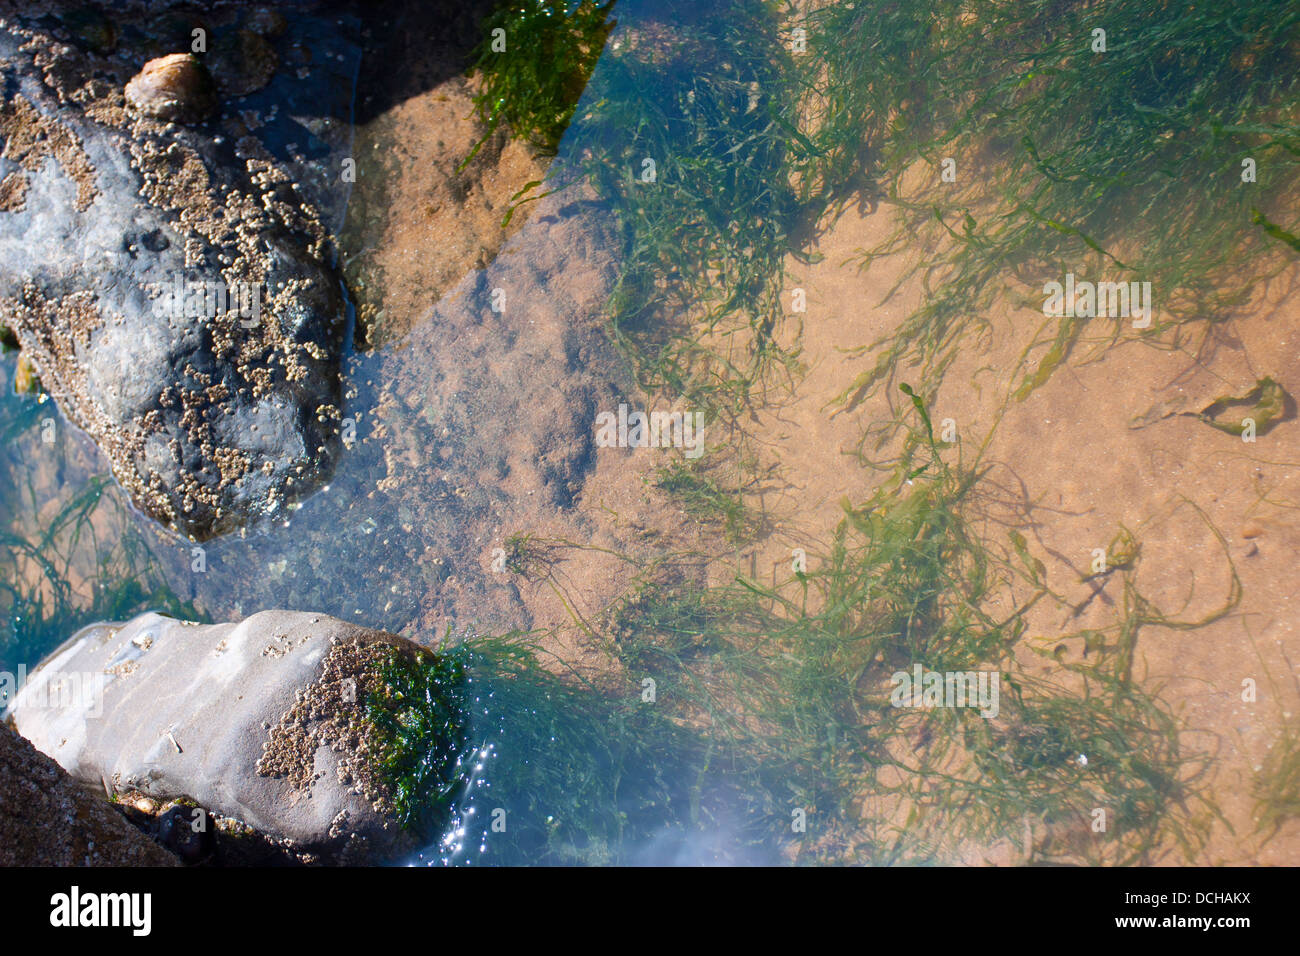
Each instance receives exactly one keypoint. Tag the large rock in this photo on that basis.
(478, 424)
(219, 403)
(263, 724)
(49, 819)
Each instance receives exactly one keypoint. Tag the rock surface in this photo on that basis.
(173, 286)
(479, 424)
(49, 819)
(259, 723)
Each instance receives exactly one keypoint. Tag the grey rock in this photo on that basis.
(218, 404)
(214, 713)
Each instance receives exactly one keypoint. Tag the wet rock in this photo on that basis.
(262, 725)
(174, 285)
(173, 32)
(174, 88)
(49, 819)
(91, 27)
(242, 62)
(182, 828)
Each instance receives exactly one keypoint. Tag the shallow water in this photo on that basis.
(404, 530)
(478, 423)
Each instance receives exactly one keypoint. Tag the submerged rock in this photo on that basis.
(242, 62)
(267, 22)
(173, 286)
(265, 726)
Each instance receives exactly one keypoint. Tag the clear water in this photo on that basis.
(350, 550)
(409, 513)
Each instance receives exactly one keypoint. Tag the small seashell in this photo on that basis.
(173, 88)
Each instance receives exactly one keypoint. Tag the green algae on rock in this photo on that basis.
(418, 716)
(269, 723)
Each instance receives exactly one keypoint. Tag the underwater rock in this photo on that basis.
(242, 62)
(174, 286)
(49, 819)
(174, 88)
(484, 419)
(264, 725)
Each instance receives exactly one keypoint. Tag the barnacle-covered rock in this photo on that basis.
(269, 723)
(175, 286)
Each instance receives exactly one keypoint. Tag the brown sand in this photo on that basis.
(416, 223)
(438, 224)
(1081, 472)
(1066, 457)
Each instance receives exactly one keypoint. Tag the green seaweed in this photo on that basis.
(1277, 785)
(788, 687)
(704, 496)
(1264, 405)
(64, 578)
(419, 717)
(534, 83)
(698, 296)
(510, 763)
(59, 570)
(1146, 180)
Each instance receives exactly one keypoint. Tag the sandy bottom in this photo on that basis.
(1067, 467)
(1069, 471)
(417, 223)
